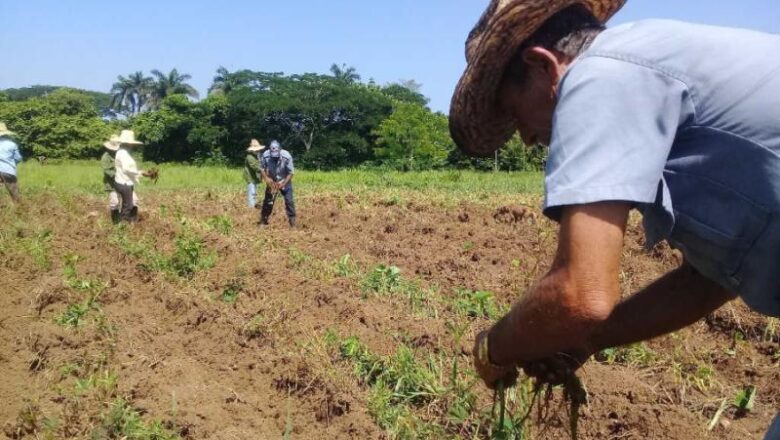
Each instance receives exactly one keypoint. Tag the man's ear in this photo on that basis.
(541, 61)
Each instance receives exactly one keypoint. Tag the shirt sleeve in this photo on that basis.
(290, 166)
(264, 163)
(127, 164)
(17, 154)
(613, 129)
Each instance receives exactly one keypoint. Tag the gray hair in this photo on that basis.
(570, 32)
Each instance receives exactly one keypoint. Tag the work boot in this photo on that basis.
(114, 216)
(292, 222)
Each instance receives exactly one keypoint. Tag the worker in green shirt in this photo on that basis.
(252, 171)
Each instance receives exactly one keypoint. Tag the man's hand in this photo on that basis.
(557, 369)
(490, 373)
(270, 183)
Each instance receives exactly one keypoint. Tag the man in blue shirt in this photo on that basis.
(277, 170)
(680, 121)
(9, 158)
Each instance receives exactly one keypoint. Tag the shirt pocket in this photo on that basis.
(715, 226)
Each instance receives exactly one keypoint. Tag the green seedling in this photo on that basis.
(346, 267)
(382, 280)
(220, 223)
(476, 304)
(745, 399)
(75, 314)
(231, 292)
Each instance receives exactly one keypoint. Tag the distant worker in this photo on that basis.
(9, 159)
(277, 171)
(107, 162)
(252, 172)
(127, 175)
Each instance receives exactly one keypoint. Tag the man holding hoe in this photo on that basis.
(679, 121)
(277, 170)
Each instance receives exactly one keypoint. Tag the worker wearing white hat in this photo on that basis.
(9, 158)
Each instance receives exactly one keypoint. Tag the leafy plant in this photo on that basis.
(476, 304)
(122, 421)
(190, 256)
(745, 399)
(74, 314)
(38, 247)
(382, 280)
(345, 267)
(220, 223)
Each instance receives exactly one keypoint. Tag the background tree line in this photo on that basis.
(327, 121)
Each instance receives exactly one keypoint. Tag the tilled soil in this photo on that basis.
(185, 356)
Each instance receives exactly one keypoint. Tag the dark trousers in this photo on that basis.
(128, 213)
(268, 203)
(11, 185)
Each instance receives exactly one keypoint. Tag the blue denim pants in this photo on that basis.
(270, 198)
(774, 430)
(251, 194)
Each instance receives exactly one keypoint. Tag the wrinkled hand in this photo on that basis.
(490, 373)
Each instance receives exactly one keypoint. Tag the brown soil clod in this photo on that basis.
(513, 214)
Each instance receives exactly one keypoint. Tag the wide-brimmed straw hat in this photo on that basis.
(4, 131)
(255, 146)
(127, 137)
(113, 143)
(477, 124)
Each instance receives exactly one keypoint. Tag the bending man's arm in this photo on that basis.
(575, 309)
(675, 301)
(561, 312)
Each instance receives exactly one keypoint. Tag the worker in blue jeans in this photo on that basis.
(251, 171)
(277, 170)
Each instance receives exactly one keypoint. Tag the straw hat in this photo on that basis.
(127, 137)
(255, 146)
(477, 125)
(4, 131)
(113, 143)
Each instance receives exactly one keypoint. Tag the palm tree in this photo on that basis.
(223, 81)
(131, 93)
(344, 73)
(173, 83)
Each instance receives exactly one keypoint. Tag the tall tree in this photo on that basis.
(173, 83)
(63, 124)
(406, 91)
(345, 73)
(223, 82)
(414, 138)
(132, 93)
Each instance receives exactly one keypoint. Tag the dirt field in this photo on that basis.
(195, 323)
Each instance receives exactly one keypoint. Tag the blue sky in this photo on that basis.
(87, 43)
